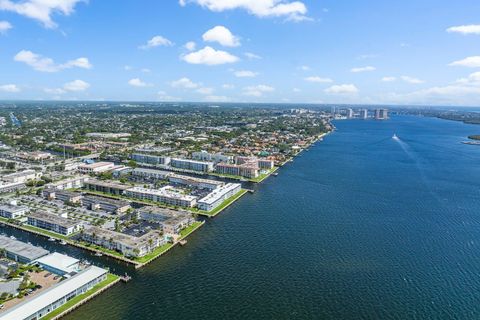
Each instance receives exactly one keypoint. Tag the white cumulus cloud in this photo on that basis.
(190, 46)
(9, 88)
(471, 62)
(465, 29)
(5, 26)
(258, 90)
(157, 41)
(40, 10)
(342, 89)
(411, 80)
(252, 56)
(137, 82)
(45, 64)
(389, 79)
(76, 85)
(185, 83)
(363, 69)
(292, 10)
(209, 56)
(318, 79)
(245, 74)
(221, 35)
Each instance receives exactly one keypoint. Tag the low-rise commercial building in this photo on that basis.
(53, 222)
(128, 245)
(167, 195)
(20, 251)
(11, 211)
(47, 301)
(95, 168)
(218, 196)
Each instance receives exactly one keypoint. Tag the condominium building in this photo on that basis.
(244, 170)
(150, 159)
(106, 204)
(11, 211)
(96, 167)
(171, 221)
(70, 183)
(106, 187)
(381, 114)
(20, 251)
(150, 174)
(191, 165)
(11, 187)
(218, 196)
(53, 222)
(266, 164)
(216, 158)
(22, 176)
(167, 195)
(44, 302)
(198, 183)
(363, 114)
(128, 245)
(62, 195)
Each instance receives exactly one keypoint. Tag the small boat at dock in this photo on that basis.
(63, 242)
(183, 242)
(98, 254)
(51, 239)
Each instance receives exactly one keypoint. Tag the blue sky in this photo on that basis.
(308, 51)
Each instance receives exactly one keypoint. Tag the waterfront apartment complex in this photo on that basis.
(381, 114)
(167, 195)
(216, 158)
(53, 222)
(11, 211)
(218, 196)
(191, 165)
(21, 177)
(128, 245)
(150, 159)
(45, 302)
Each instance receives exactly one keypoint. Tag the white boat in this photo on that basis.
(13, 238)
(98, 254)
(395, 137)
(51, 239)
(63, 242)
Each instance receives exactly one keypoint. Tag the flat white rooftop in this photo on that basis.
(60, 262)
(51, 295)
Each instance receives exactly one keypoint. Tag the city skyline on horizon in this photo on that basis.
(241, 52)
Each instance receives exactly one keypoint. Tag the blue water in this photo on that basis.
(360, 226)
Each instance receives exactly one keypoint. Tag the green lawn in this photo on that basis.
(110, 278)
(155, 253)
(185, 232)
(225, 204)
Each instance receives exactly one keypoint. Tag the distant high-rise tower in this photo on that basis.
(349, 113)
(363, 114)
(381, 114)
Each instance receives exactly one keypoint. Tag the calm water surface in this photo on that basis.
(360, 226)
